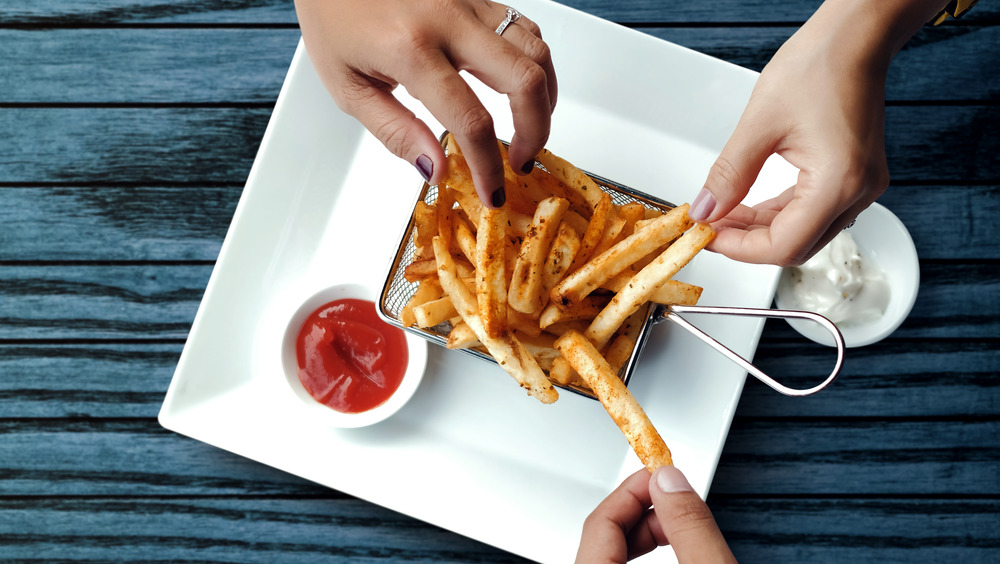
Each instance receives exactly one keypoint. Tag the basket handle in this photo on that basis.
(673, 314)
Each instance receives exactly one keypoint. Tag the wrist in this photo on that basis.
(870, 33)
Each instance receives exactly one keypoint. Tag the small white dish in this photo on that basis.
(884, 240)
(416, 362)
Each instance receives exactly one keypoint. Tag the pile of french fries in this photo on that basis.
(555, 285)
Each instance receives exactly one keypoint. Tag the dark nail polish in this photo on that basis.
(425, 166)
(528, 166)
(499, 197)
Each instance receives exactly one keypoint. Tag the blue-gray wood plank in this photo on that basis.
(119, 173)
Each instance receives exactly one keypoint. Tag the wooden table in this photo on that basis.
(128, 132)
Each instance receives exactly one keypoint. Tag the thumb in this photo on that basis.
(686, 520)
(732, 174)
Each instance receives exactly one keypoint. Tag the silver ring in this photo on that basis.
(512, 16)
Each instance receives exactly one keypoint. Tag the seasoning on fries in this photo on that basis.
(552, 285)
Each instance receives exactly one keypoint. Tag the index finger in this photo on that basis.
(438, 85)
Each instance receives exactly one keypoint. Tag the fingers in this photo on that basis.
(619, 528)
(686, 519)
(735, 170)
(518, 64)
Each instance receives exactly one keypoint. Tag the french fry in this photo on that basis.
(434, 312)
(526, 285)
(425, 224)
(564, 247)
(509, 353)
(642, 286)
(462, 336)
(619, 351)
(587, 309)
(444, 213)
(424, 268)
(631, 213)
(574, 178)
(429, 289)
(595, 230)
(620, 404)
(491, 280)
(595, 272)
(675, 292)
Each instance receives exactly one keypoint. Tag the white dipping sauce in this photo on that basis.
(838, 283)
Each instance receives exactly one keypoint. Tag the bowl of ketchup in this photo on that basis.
(347, 364)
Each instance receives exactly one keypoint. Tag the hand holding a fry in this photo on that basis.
(363, 49)
(625, 526)
(819, 103)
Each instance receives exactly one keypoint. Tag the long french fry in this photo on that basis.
(491, 279)
(620, 404)
(509, 353)
(642, 286)
(527, 284)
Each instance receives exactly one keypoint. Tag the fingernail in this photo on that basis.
(498, 197)
(702, 206)
(670, 480)
(528, 166)
(425, 166)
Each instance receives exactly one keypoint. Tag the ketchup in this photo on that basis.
(348, 358)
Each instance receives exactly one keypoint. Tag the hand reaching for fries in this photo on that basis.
(363, 49)
(647, 511)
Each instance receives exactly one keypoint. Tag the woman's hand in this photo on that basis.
(363, 49)
(623, 526)
(819, 103)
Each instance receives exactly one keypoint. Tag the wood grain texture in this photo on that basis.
(84, 12)
(940, 144)
(239, 65)
(254, 529)
(892, 529)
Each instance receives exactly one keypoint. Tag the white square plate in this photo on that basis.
(325, 203)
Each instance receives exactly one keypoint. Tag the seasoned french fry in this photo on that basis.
(425, 223)
(587, 309)
(595, 272)
(420, 269)
(444, 213)
(462, 336)
(675, 292)
(564, 247)
(506, 349)
(491, 280)
(434, 312)
(429, 289)
(526, 285)
(612, 234)
(465, 239)
(646, 282)
(620, 404)
(595, 230)
(619, 351)
(631, 213)
(574, 178)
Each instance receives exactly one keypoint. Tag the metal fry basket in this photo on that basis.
(397, 291)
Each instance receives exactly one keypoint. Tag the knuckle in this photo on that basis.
(724, 174)
(691, 514)
(530, 77)
(537, 50)
(475, 123)
(395, 136)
